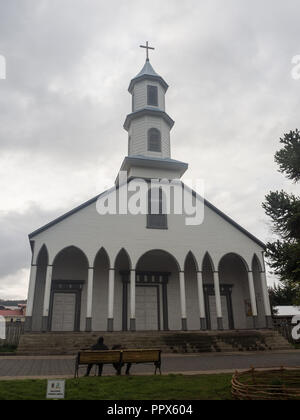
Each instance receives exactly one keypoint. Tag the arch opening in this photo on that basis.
(68, 298)
(157, 292)
(37, 310)
(235, 294)
(100, 290)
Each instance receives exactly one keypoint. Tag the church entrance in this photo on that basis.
(211, 307)
(65, 306)
(151, 300)
(147, 308)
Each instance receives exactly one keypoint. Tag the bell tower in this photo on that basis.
(149, 127)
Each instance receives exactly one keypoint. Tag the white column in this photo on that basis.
(266, 298)
(218, 300)
(47, 294)
(31, 290)
(132, 300)
(90, 288)
(201, 299)
(111, 292)
(252, 293)
(183, 300)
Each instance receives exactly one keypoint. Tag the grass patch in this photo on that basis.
(8, 349)
(171, 387)
(297, 346)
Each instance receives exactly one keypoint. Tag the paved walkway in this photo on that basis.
(12, 367)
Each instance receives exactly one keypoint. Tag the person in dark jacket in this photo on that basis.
(117, 366)
(99, 346)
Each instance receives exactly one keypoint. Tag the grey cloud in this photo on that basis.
(15, 248)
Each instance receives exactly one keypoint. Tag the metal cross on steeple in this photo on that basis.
(147, 48)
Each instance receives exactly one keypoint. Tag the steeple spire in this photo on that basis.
(149, 127)
(147, 48)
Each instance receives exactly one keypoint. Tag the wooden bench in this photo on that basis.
(143, 356)
(118, 357)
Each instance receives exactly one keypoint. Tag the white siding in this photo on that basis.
(89, 231)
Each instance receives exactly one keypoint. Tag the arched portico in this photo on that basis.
(237, 293)
(34, 310)
(65, 294)
(99, 292)
(264, 319)
(229, 293)
(159, 292)
(194, 293)
(118, 292)
(212, 294)
(152, 293)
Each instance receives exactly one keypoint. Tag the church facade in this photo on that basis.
(146, 271)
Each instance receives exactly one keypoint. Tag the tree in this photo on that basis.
(284, 211)
(288, 158)
(282, 295)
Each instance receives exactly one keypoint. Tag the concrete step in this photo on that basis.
(170, 342)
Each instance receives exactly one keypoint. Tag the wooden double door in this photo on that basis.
(65, 306)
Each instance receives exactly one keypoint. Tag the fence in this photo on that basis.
(283, 324)
(14, 330)
(275, 384)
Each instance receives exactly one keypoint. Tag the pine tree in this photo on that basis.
(284, 211)
(288, 158)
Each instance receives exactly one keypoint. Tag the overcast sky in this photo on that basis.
(64, 101)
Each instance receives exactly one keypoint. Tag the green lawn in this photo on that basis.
(8, 349)
(297, 346)
(171, 387)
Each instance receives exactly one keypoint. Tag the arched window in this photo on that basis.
(154, 140)
(157, 217)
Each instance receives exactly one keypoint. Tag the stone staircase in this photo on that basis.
(168, 342)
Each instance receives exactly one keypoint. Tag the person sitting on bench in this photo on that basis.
(117, 366)
(99, 346)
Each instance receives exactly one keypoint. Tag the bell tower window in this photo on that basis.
(129, 145)
(157, 216)
(154, 140)
(152, 95)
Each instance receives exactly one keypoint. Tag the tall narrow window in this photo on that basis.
(154, 140)
(129, 145)
(157, 217)
(152, 95)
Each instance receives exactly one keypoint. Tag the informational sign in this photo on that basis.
(56, 389)
(2, 328)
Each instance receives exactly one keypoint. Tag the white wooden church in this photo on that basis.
(146, 272)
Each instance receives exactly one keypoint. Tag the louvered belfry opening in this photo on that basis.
(154, 140)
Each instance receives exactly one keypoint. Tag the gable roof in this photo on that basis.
(93, 200)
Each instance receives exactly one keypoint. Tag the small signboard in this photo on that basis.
(56, 389)
(2, 328)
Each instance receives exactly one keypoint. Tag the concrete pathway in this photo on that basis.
(21, 367)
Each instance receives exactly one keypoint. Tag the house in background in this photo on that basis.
(15, 314)
(285, 314)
